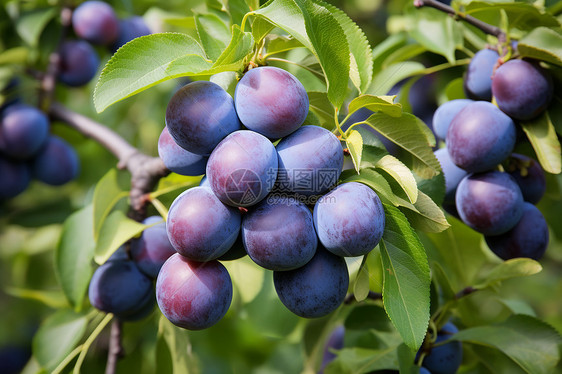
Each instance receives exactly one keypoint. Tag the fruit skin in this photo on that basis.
(335, 341)
(529, 175)
(424, 371)
(200, 115)
(193, 295)
(57, 163)
(178, 159)
(278, 234)
(444, 116)
(23, 131)
(129, 29)
(235, 252)
(490, 203)
(153, 248)
(447, 358)
(243, 168)
(349, 220)
(529, 237)
(478, 78)
(480, 137)
(316, 289)
(522, 89)
(96, 22)
(453, 176)
(119, 287)
(200, 227)
(79, 63)
(310, 161)
(271, 101)
(15, 178)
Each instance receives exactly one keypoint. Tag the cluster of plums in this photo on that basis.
(94, 22)
(479, 136)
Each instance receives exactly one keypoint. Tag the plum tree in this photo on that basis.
(528, 238)
(478, 78)
(96, 22)
(453, 176)
(200, 115)
(335, 342)
(271, 101)
(129, 29)
(490, 203)
(444, 116)
(243, 168)
(310, 161)
(79, 63)
(178, 159)
(23, 131)
(317, 288)
(200, 226)
(529, 175)
(446, 358)
(153, 248)
(279, 247)
(15, 178)
(56, 163)
(191, 294)
(349, 220)
(522, 89)
(480, 137)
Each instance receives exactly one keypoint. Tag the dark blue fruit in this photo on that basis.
(349, 220)
(529, 175)
(200, 227)
(335, 342)
(529, 237)
(278, 234)
(490, 203)
(235, 252)
(444, 116)
(243, 168)
(271, 101)
(13, 359)
(453, 176)
(78, 63)
(193, 295)
(178, 159)
(57, 163)
(96, 22)
(316, 289)
(310, 161)
(424, 371)
(480, 137)
(129, 29)
(522, 89)
(478, 78)
(200, 115)
(23, 131)
(153, 248)
(446, 358)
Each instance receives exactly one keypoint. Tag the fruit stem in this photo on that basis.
(115, 347)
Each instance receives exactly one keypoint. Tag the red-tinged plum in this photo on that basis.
(349, 220)
(243, 168)
(57, 163)
(119, 287)
(23, 131)
(79, 63)
(529, 237)
(235, 252)
(478, 78)
(129, 29)
(178, 159)
(444, 116)
(480, 137)
(316, 289)
(153, 248)
(453, 176)
(200, 227)
(522, 89)
(446, 358)
(529, 175)
(271, 101)
(96, 22)
(335, 342)
(490, 203)
(310, 161)
(191, 294)
(15, 178)
(200, 115)
(278, 234)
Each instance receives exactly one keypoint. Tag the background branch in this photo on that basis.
(372, 296)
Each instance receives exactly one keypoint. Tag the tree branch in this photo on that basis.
(349, 299)
(115, 348)
(465, 292)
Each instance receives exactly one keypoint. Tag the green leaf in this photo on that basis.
(542, 44)
(355, 145)
(363, 360)
(361, 285)
(116, 230)
(455, 89)
(404, 53)
(543, 138)
(397, 170)
(280, 43)
(52, 299)
(406, 358)
(385, 79)
(246, 277)
(517, 267)
(377, 182)
(16, 56)
(73, 256)
(232, 58)
(385, 48)
(236, 9)
(179, 346)
(521, 15)
(30, 24)
(320, 105)
(368, 316)
(426, 216)
(383, 104)
(433, 187)
(57, 337)
(529, 342)
(406, 278)
(443, 281)
(261, 27)
(518, 307)
(106, 195)
(213, 34)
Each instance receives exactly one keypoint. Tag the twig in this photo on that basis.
(465, 292)
(115, 348)
(349, 299)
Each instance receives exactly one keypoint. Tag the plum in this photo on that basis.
(23, 131)
(79, 63)
(57, 163)
(129, 29)
(15, 178)
(453, 176)
(478, 78)
(96, 22)
(446, 358)
(178, 159)
(444, 116)
(529, 175)
(153, 248)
